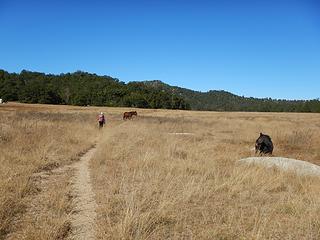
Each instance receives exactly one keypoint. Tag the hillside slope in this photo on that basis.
(226, 101)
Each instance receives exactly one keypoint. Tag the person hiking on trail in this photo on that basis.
(101, 120)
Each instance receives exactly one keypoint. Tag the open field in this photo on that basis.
(154, 185)
(151, 183)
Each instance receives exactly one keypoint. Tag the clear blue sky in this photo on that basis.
(255, 48)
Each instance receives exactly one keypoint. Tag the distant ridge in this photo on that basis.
(83, 88)
(214, 100)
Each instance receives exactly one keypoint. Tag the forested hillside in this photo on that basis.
(225, 101)
(82, 88)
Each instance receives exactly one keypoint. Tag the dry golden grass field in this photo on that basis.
(150, 183)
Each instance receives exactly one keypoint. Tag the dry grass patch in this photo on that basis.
(153, 185)
(33, 139)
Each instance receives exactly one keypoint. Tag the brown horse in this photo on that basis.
(128, 115)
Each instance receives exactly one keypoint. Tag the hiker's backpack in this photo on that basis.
(101, 118)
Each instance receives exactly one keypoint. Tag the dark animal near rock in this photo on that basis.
(128, 115)
(264, 144)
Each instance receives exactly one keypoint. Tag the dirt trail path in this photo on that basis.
(62, 205)
(84, 215)
(75, 192)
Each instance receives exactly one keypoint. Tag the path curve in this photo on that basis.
(84, 215)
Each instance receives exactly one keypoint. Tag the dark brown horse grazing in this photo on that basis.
(128, 115)
(134, 113)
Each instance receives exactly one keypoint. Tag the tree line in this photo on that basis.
(82, 88)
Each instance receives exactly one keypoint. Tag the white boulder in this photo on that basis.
(287, 164)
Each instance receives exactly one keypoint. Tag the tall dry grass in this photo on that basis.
(153, 185)
(33, 139)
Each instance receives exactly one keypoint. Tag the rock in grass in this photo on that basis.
(288, 164)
